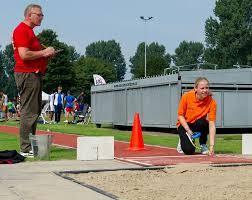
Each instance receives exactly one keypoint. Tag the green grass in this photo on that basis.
(8, 142)
(229, 144)
(226, 144)
(11, 142)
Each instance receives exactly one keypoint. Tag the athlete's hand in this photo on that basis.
(49, 51)
(190, 132)
(211, 150)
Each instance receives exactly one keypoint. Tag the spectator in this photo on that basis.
(76, 106)
(18, 107)
(11, 109)
(81, 101)
(1, 106)
(4, 103)
(58, 103)
(51, 108)
(69, 105)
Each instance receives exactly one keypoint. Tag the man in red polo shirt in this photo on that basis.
(31, 62)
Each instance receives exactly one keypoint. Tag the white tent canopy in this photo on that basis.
(45, 96)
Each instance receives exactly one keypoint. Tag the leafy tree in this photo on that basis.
(60, 68)
(1, 61)
(156, 60)
(85, 67)
(49, 38)
(188, 53)
(7, 80)
(73, 55)
(110, 52)
(2, 74)
(229, 35)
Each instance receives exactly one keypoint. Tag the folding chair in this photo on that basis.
(43, 112)
(79, 116)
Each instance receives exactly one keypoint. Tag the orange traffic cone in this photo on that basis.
(136, 140)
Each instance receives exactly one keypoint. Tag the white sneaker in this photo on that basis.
(179, 149)
(66, 121)
(27, 155)
(204, 149)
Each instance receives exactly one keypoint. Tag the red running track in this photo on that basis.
(150, 156)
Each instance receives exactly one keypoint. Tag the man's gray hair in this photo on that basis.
(29, 7)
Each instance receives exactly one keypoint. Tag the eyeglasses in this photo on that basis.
(38, 14)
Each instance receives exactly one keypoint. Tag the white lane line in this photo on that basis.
(182, 156)
(134, 161)
(150, 145)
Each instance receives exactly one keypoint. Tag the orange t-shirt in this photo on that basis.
(193, 109)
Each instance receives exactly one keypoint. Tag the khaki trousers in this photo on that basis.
(30, 90)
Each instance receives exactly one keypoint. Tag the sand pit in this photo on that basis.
(187, 181)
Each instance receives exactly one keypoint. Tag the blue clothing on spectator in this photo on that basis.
(69, 101)
(59, 99)
(58, 104)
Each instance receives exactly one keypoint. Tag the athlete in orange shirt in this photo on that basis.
(197, 113)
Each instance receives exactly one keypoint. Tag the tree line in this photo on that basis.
(228, 42)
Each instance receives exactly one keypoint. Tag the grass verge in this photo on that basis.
(11, 142)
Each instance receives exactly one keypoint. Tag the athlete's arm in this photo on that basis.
(183, 122)
(212, 131)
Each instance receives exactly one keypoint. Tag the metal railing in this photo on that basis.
(197, 66)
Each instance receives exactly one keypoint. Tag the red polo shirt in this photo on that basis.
(23, 36)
